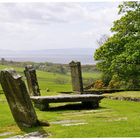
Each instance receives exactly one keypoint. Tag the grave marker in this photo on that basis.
(32, 82)
(18, 98)
(76, 76)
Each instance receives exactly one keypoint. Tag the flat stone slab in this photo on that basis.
(70, 122)
(117, 119)
(67, 121)
(88, 100)
(74, 124)
(32, 135)
(67, 98)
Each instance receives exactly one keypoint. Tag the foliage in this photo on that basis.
(99, 84)
(113, 84)
(120, 54)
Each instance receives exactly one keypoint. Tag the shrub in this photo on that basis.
(99, 84)
(113, 84)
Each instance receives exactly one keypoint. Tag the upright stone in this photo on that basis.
(76, 76)
(18, 98)
(32, 82)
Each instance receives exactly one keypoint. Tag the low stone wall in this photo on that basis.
(135, 99)
(102, 91)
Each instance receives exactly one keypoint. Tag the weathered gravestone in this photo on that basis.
(76, 76)
(18, 99)
(32, 82)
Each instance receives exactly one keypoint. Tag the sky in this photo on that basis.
(39, 26)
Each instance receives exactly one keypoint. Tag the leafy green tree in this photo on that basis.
(120, 54)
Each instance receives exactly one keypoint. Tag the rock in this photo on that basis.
(36, 134)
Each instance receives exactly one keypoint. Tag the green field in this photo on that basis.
(53, 81)
(113, 119)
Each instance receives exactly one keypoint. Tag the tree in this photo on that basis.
(102, 39)
(120, 54)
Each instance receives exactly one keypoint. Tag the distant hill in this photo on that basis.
(85, 55)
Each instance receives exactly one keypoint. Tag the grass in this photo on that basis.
(114, 118)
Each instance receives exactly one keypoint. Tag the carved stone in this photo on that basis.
(32, 82)
(76, 76)
(18, 98)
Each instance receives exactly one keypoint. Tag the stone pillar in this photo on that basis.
(76, 76)
(32, 82)
(18, 98)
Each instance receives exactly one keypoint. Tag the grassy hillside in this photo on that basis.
(53, 81)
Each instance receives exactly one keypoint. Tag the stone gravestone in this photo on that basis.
(18, 99)
(76, 76)
(32, 82)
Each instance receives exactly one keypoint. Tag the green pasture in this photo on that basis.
(53, 81)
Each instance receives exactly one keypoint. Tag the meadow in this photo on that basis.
(114, 118)
(55, 82)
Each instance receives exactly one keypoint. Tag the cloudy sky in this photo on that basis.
(34, 26)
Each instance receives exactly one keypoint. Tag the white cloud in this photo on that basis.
(58, 25)
(51, 12)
